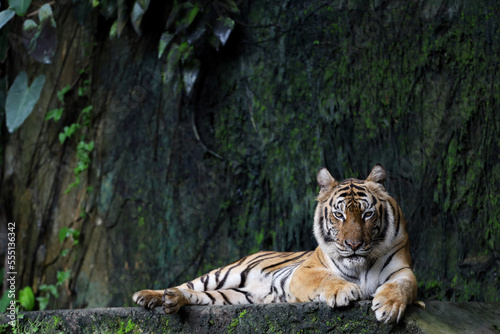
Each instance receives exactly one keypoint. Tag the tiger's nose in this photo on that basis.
(353, 244)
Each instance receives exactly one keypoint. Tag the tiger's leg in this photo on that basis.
(175, 298)
(233, 277)
(148, 299)
(314, 281)
(320, 285)
(398, 289)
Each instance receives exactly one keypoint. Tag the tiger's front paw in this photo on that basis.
(173, 299)
(341, 294)
(389, 303)
(149, 299)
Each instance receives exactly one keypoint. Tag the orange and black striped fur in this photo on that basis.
(363, 253)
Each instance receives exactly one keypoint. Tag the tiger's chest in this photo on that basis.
(369, 277)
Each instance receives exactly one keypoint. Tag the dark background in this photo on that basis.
(210, 152)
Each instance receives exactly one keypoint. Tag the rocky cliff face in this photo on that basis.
(209, 152)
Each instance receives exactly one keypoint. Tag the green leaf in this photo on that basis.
(140, 7)
(45, 14)
(113, 30)
(62, 92)
(87, 109)
(4, 302)
(62, 137)
(190, 74)
(63, 276)
(68, 132)
(21, 99)
(188, 19)
(20, 6)
(43, 302)
(63, 234)
(186, 51)
(30, 27)
(52, 289)
(165, 40)
(89, 146)
(76, 237)
(73, 185)
(223, 28)
(5, 16)
(27, 298)
(54, 114)
(192, 14)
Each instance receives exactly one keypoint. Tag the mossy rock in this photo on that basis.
(439, 317)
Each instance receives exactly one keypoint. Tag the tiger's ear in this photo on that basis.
(377, 174)
(325, 180)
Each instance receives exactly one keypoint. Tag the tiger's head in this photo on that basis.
(353, 217)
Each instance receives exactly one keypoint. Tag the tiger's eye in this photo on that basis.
(337, 215)
(368, 215)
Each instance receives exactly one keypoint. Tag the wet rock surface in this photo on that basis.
(439, 317)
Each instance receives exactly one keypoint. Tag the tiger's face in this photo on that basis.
(348, 220)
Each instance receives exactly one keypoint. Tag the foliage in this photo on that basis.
(83, 148)
(235, 322)
(39, 38)
(56, 113)
(21, 99)
(126, 328)
(15, 325)
(27, 298)
(18, 7)
(21, 325)
(5, 16)
(51, 289)
(66, 232)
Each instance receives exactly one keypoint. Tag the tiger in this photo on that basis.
(363, 253)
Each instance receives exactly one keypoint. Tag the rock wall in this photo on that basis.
(209, 152)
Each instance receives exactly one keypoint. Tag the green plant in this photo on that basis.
(130, 326)
(14, 326)
(68, 131)
(27, 298)
(18, 7)
(21, 100)
(83, 150)
(56, 113)
(66, 232)
(39, 36)
(51, 289)
(235, 322)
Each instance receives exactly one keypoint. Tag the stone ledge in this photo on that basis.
(439, 317)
